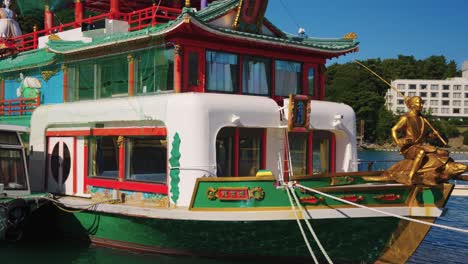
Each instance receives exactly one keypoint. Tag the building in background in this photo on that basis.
(443, 98)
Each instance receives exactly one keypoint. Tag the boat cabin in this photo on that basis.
(147, 101)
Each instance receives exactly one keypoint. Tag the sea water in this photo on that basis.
(439, 246)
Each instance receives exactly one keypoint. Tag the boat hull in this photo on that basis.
(346, 240)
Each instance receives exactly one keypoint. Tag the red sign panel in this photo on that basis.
(233, 193)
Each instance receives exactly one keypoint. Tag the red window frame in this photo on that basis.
(310, 153)
(120, 183)
(236, 151)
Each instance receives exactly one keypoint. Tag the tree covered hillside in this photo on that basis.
(353, 85)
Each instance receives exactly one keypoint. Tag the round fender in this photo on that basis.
(17, 211)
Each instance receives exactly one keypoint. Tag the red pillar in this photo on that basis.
(121, 145)
(178, 68)
(114, 9)
(65, 83)
(79, 15)
(48, 18)
(2, 90)
(131, 75)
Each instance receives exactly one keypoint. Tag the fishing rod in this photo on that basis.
(405, 98)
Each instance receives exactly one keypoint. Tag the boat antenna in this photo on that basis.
(406, 99)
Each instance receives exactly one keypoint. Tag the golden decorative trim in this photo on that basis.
(54, 37)
(404, 241)
(178, 49)
(46, 75)
(120, 141)
(350, 35)
(130, 58)
(236, 179)
(187, 3)
(64, 68)
(284, 208)
(239, 10)
(3, 46)
(235, 193)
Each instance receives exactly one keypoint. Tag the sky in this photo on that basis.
(385, 28)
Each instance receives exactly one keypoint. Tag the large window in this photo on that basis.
(12, 172)
(250, 151)
(311, 81)
(256, 75)
(102, 78)
(84, 88)
(247, 144)
(154, 71)
(104, 157)
(222, 71)
(12, 166)
(322, 151)
(225, 152)
(298, 147)
(287, 78)
(145, 158)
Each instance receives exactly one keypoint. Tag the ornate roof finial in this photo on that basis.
(187, 3)
(350, 35)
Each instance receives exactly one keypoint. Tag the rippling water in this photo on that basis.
(439, 246)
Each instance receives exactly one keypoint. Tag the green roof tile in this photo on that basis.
(204, 16)
(29, 59)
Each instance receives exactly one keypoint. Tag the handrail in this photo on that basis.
(137, 20)
(19, 106)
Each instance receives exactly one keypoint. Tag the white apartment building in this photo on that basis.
(444, 98)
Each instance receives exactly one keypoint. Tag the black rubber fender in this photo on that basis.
(17, 212)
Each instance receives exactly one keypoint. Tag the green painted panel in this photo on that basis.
(16, 120)
(346, 240)
(275, 197)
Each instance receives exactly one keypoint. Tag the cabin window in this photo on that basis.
(104, 157)
(225, 152)
(222, 70)
(239, 151)
(145, 158)
(322, 152)
(250, 148)
(311, 81)
(112, 76)
(256, 75)
(287, 78)
(154, 71)
(101, 78)
(298, 147)
(193, 70)
(12, 173)
(85, 82)
(9, 138)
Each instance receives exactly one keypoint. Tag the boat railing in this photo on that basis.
(21, 106)
(137, 20)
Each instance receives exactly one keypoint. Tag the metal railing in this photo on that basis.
(137, 20)
(21, 106)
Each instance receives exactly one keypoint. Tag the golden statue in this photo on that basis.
(423, 163)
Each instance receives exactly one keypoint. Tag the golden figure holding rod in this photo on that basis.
(423, 163)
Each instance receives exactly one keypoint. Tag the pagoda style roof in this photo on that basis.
(202, 19)
(27, 60)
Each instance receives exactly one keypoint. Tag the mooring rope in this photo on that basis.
(380, 211)
(301, 228)
(60, 205)
(314, 235)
